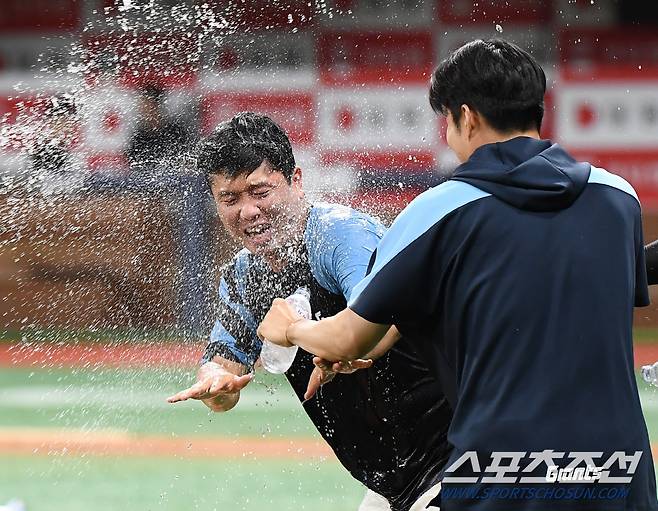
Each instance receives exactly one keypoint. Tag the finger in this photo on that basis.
(219, 385)
(342, 366)
(284, 309)
(322, 363)
(228, 384)
(189, 393)
(314, 383)
(237, 383)
(349, 366)
(178, 397)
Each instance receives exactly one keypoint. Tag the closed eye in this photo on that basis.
(228, 200)
(261, 193)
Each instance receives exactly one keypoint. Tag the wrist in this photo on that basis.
(290, 332)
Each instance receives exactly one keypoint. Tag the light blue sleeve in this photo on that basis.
(340, 243)
(234, 334)
(223, 344)
(420, 215)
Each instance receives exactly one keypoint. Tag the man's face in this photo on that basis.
(260, 210)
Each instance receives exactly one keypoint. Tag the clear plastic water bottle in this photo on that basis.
(278, 359)
(650, 374)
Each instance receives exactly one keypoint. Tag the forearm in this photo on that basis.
(387, 342)
(344, 336)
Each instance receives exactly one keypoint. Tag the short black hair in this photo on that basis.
(496, 78)
(241, 144)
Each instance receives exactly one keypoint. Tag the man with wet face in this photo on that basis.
(377, 420)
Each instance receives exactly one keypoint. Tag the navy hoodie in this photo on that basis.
(517, 279)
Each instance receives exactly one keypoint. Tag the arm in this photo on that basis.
(388, 341)
(345, 336)
(231, 352)
(349, 366)
(218, 385)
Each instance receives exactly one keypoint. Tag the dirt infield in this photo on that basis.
(156, 353)
(46, 442)
(645, 354)
(99, 353)
(54, 442)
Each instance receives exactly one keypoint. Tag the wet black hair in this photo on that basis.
(497, 79)
(241, 144)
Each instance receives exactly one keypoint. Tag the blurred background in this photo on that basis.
(105, 224)
(109, 242)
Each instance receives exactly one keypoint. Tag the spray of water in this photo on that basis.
(95, 227)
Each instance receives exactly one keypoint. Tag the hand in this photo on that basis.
(346, 366)
(325, 370)
(319, 377)
(276, 323)
(212, 381)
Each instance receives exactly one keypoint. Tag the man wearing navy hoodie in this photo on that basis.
(516, 279)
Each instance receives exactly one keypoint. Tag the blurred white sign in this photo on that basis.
(612, 115)
(111, 115)
(376, 118)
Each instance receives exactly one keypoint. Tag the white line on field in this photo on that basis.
(51, 396)
(252, 398)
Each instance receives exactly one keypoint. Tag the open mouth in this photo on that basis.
(257, 230)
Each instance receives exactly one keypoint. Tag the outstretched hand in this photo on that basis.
(325, 370)
(212, 382)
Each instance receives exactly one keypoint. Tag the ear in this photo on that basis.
(296, 180)
(470, 122)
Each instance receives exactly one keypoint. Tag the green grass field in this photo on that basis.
(106, 484)
(133, 400)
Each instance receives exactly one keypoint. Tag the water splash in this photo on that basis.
(99, 249)
(650, 374)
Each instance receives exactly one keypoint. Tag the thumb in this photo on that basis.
(240, 382)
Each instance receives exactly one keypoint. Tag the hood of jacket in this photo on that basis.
(530, 174)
